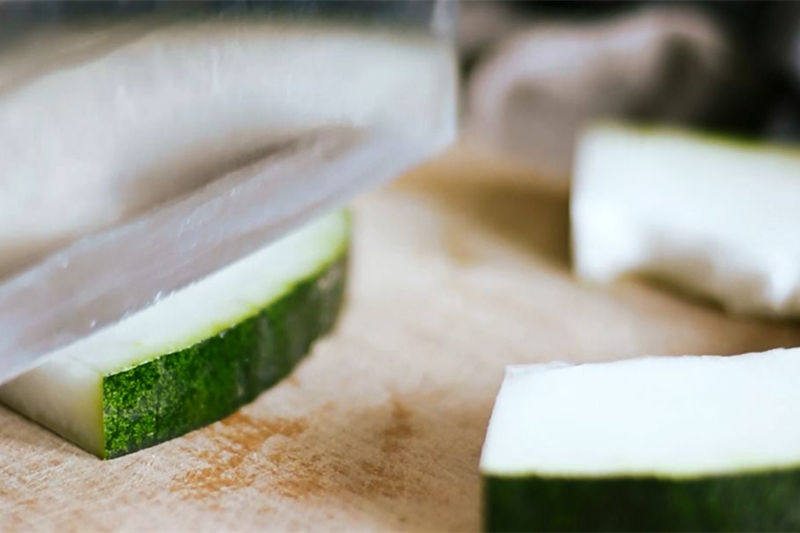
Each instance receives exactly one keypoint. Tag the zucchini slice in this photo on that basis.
(700, 443)
(713, 216)
(196, 355)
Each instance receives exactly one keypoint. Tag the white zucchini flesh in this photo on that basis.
(715, 217)
(65, 393)
(668, 417)
(131, 115)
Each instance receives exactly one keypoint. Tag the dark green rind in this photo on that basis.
(178, 392)
(768, 501)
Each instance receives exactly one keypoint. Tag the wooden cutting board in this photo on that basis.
(458, 269)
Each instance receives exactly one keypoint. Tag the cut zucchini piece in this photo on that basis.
(196, 355)
(716, 217)
(694, 443)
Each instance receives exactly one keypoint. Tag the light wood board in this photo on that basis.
(458, 269)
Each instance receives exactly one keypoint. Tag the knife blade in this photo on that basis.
(102, 278)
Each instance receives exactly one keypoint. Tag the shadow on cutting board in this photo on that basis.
(20, 433)
(510, 202)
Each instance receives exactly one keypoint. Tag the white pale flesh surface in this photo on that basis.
(65, 393)
(672, 417)
(96, 126)
(717, 218)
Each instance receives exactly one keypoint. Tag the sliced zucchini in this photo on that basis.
(716, 217)
(196, 355)
(695, 443)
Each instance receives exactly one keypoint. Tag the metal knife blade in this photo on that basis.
(100, 279)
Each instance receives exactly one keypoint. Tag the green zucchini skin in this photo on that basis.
(175, 393)
(763, 501)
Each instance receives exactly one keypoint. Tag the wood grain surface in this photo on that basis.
(458, 269)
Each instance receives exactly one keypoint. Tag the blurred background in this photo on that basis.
(535, 72)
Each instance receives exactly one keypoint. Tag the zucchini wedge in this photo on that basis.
(694, 443)
(713, 216)
(196, 355)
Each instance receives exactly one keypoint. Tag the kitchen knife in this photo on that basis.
(102, 278)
